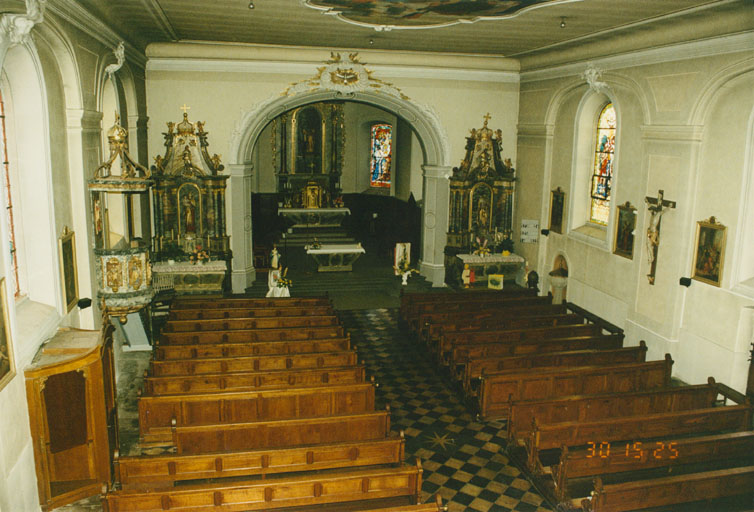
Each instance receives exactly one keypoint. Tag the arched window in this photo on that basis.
(9, 198)
(602, 172)
(381, 155)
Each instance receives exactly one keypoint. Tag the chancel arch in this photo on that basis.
(435, 157)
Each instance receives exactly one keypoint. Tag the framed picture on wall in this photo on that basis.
(7, 366)
(709, 252)
(623, 245)
(68, 272)
(557, 205)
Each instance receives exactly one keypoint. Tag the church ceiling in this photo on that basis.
(522, 27)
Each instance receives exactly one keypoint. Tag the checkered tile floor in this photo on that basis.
(463, 459)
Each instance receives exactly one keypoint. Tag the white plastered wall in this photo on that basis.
(685, 128)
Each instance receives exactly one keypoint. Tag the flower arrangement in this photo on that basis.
(338, 202)
(481, 249)
(283, 281)
(403, 267)
(199, 256)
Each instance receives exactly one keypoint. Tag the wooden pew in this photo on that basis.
(233, 363)
(247, 302)
(407, 300)
(432, 325)
(382, 486)
(260, 348)
(256, 312)
(449, 341)
(587, 408)
(249, 381)
(497, 391)
(670, 490)
(269, 434)
(517, 328)
(232, 324)
(468, 304)
(431, 506)
(460, 355)
(157, 412)
(250, 336)
(604, 458)
(150, 471)
(474, 369)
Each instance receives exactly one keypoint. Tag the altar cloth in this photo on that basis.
(335, 257)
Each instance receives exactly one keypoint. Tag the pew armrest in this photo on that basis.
(592, 318)
(731, 394)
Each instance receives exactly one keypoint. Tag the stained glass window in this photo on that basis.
(603, 166)
(382, 155)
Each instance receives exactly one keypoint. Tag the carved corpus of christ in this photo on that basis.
(657, 206)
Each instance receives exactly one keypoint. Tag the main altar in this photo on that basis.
(308, 144)
(189, 212)
(481, 209)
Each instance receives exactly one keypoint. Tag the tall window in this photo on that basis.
(602, 172)
(382, 155)
(6, 182)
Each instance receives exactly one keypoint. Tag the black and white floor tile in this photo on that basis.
(463, 459)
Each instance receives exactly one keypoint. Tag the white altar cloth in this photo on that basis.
(187, 277)
(494, 264)
(315, 217)
(335, 257)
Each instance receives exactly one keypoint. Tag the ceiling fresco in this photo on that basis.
(417, 14)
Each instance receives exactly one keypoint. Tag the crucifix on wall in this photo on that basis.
(657, 206)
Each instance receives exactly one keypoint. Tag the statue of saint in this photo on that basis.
(190, 215)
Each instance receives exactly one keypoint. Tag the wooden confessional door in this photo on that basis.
(71, 398)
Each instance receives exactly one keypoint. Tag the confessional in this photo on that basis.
(70, 388)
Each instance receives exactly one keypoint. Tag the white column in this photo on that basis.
(238, 211)
(435, 222)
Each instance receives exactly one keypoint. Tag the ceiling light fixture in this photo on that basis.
(251, 5)
(562, 22)
(371, 42)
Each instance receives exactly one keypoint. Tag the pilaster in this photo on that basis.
(84, 151)
(435, 222)
(239, 219)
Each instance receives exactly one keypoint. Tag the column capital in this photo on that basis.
(240, 170)
(15, 28)
(437, 171)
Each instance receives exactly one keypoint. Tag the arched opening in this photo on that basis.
(332, 144)
(28, 180)
(423, 175)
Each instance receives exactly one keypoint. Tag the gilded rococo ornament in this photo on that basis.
(345, 76)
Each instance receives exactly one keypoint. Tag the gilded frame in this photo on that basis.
(7, 363)
(625, 225)
(68, 271)
(709, 252)
(557, 209)
(474, 208)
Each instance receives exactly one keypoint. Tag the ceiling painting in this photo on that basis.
(417, 14)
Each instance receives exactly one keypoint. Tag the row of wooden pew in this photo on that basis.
(595, 425)
(261, 404)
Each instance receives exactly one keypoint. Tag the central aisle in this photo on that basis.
(463, 459)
